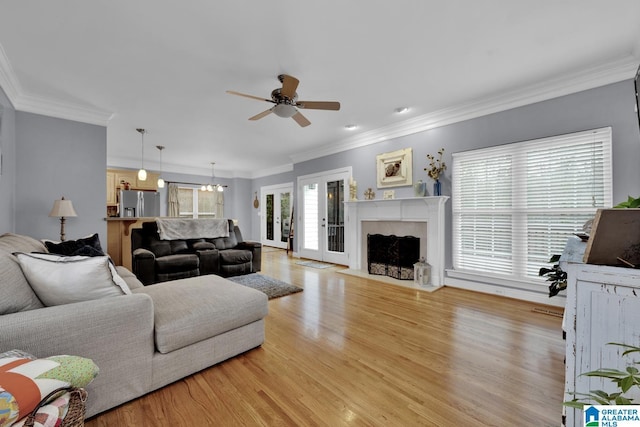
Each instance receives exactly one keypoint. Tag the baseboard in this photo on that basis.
(505, 291)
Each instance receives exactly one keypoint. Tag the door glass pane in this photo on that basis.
(310, 200)
(285, 215)
(269, 216)
(335, 216)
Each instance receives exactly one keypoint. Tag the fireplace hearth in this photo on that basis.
(392, 255)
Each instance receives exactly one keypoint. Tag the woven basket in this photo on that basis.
(75, 413)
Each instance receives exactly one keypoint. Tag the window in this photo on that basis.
(195, 203)
(515, 205)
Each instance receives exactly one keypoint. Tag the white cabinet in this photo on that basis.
(603, 305)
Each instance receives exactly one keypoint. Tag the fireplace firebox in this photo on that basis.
(392, 255)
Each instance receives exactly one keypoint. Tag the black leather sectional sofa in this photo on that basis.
(155, 260)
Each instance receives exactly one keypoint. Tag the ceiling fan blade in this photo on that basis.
(233, 92)
(289, 86)
(300, 119)
(318, 105)
(261, 115)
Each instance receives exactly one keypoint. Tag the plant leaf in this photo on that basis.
(626, 383)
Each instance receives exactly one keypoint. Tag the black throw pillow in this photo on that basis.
(87, 246)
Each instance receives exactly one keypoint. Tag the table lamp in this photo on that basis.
(62, 209)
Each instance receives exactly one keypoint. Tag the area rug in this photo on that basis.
(274, 288)
(315, 264)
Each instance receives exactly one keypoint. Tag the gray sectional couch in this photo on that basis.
(142, 341)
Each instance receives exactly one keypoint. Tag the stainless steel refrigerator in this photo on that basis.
(139, 203)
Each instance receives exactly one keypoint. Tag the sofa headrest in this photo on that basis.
(16, 293)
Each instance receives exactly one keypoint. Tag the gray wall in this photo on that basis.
(611, 105)
(256, 184)
(45, 158)
(8, 173)
(55, 158)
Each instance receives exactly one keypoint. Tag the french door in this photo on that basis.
(276, 201)
(321, 230)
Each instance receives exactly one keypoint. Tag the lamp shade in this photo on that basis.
(62, 208)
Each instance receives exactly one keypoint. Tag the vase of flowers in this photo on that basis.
(436, 167)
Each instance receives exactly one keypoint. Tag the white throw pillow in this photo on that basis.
(59, 279)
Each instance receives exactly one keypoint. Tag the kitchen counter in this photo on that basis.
(131, 218)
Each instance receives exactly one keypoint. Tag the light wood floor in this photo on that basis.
(350, 351)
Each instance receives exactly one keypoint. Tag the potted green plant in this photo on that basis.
(630, 203)
(555, 275)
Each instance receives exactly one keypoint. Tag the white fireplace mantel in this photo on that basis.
(429, 210)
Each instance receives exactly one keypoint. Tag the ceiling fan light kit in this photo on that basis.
(286, 102)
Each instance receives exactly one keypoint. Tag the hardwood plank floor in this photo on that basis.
(350, 351)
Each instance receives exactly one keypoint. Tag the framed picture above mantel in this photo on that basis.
(394, 169)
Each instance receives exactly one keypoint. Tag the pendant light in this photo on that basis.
(160, 180)
(218, 186)
(142, 174)
(212, 186)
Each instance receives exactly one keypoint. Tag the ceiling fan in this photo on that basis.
(287, 104)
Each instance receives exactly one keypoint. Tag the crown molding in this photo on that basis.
(22, 101)
(8, 81)
(589, 78)
(272, 171)
(61, 110)
(114, 162)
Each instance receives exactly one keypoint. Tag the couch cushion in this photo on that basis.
(175, 263)
(58, 279)
(227, 242)
(187, 311)
(179, 246)
(235, 256)
(15, 292)
(130, 278)
(160, 248)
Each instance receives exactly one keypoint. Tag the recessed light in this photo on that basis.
(401, 110)
(351, 127)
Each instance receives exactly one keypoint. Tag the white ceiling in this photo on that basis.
(165, 66)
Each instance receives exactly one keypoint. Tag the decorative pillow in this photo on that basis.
(87, 246)
(25, 382)
(58, 279)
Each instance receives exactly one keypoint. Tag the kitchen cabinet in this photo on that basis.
(115, 177)
(112, 200)
(126, 176)
(603, 305)
(151, 183)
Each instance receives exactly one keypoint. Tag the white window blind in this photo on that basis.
(515, 205)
